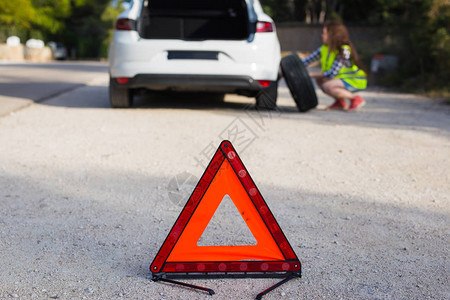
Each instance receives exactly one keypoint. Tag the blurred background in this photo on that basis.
(409, 39)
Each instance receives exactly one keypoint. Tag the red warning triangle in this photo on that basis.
(225, 175)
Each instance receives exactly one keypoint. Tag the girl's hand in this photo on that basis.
(316, 75)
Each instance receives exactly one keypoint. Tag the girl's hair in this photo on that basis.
(337, 37)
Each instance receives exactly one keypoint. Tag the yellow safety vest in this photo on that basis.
(352, 75)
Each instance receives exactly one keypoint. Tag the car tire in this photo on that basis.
(299, 82)
(119, 97)
(267, 97)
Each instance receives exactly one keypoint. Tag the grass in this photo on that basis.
(439, 93)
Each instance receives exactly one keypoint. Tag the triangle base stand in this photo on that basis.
(192, 286)
(287, 277)
(260, 295)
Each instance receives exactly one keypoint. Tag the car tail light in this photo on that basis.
(122, 80)
(125, 24)
(264, 83)
(264, 27)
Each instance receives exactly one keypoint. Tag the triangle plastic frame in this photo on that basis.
(286, 265)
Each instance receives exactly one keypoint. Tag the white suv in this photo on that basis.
(221, 46)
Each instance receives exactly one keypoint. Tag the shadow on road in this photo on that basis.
(90, 96)
(36, 91)
(186, 100)
(41, 81)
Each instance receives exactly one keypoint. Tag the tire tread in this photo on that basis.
(299, 82)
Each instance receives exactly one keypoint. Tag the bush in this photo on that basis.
(424, 53)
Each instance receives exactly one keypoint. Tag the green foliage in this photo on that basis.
(300, 10)
(84, 26)
(85, 31)
(425, 50)
(439, 25)
(279, 10)
(15, 18)
(50, 15)
(17, 13)
(109, 17)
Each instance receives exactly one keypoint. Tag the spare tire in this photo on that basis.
(299, 82)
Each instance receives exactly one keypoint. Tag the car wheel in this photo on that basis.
(119, 97)
(267, 97)
(299, 82)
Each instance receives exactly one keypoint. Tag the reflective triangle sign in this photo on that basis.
(182, 253)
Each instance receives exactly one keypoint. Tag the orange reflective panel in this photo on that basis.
(226, 182)
(225, 178)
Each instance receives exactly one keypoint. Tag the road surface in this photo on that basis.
(89, 193)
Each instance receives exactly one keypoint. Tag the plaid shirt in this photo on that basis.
(339, 62)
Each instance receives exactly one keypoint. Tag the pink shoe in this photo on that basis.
(338, 104)
(356, 103)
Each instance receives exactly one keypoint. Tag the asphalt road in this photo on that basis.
(22, 84)
(89, 193)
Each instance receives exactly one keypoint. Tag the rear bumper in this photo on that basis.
(130, 56)
(199, 83)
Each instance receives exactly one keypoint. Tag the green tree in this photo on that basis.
(424, 26)
(300, 10)
(109, 17)
(49, 18)
(86, 30)
(16, 18)
(438, 24)
(279, 10)
(83, 25)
